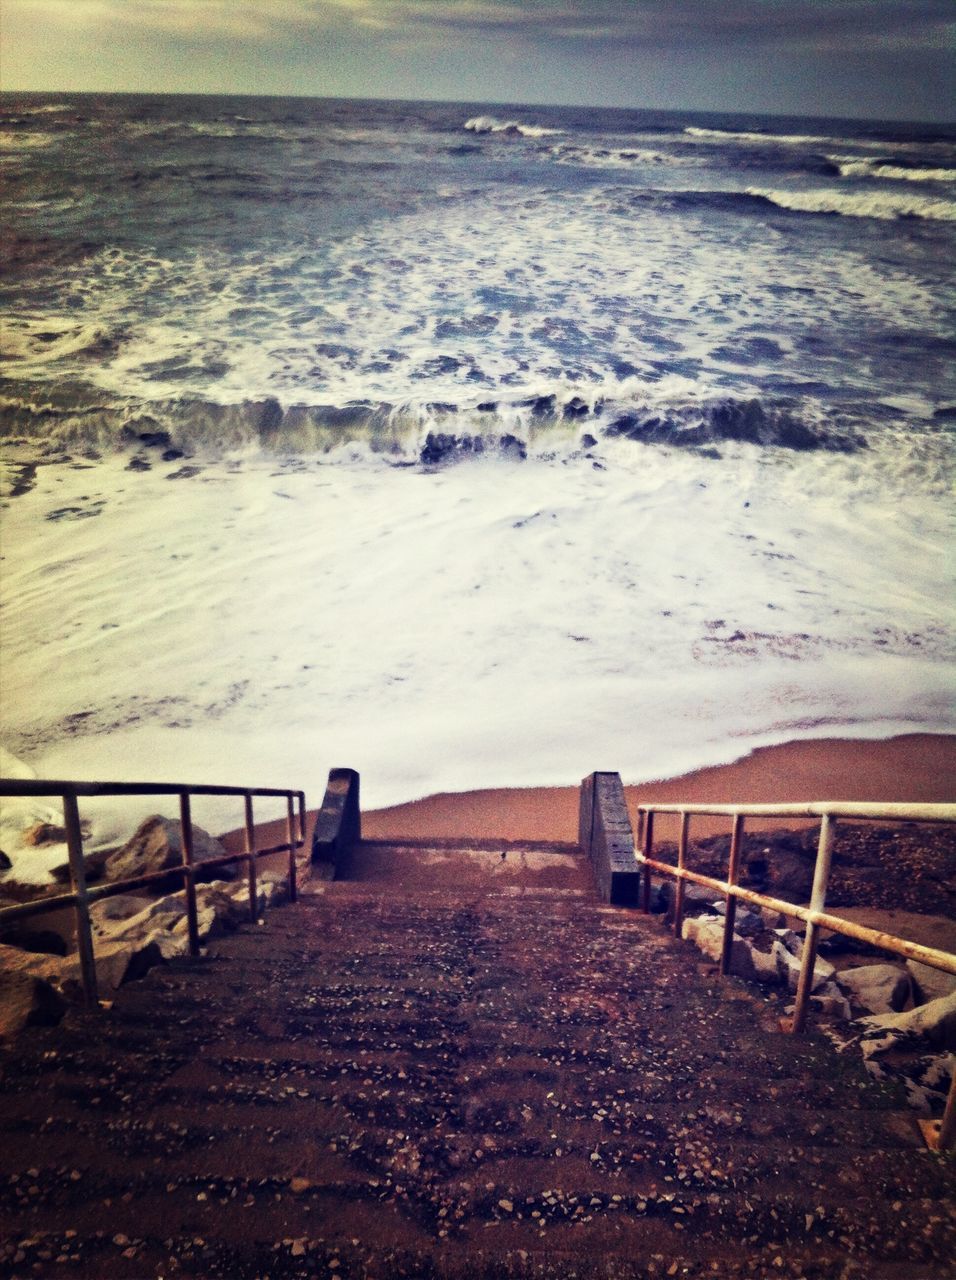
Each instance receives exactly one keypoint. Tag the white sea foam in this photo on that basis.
(485, 625)
(853, 167)
(613, 157)
(445, 304)
(771, 139)
(489, 124)
(877, 204)
(13, 140)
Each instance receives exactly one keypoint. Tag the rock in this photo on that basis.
(829, 1001)
(116, 962)
(696, 897)
(44, 941)
(140, 922)
(156, 845)
(746, 921)
(94, 866)
(43, 833)
(745, 961)
(788, 967)
(929, 1024)
(878, 988)
(27, 1000)
(930, 983)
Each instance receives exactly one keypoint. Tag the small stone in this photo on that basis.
(299, 1184)
(506, 1205)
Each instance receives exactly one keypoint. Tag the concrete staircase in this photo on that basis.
(455, 1062)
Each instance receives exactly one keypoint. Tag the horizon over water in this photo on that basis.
(469, 444)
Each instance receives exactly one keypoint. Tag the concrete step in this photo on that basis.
(489, 1077)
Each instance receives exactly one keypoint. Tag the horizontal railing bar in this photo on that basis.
(36, 907)
(815, 809)
(38, 787)
(837, 924)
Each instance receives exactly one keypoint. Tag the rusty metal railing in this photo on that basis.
(940, 1135)
(80, 896)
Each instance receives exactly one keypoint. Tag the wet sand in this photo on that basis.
(912, 767)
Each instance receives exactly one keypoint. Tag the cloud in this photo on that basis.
(850, 24)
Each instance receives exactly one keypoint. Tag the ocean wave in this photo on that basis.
(853, 167)
(513, 128)
(884, 204)
(608, 157)
(426, 432)
(773, 139)
(14, 140)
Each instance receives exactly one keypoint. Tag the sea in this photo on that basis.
(469, 445)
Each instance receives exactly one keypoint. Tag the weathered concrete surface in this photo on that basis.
(497, 1077)
(606, 836)
(338, 824)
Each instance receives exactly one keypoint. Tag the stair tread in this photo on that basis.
(407, 1055)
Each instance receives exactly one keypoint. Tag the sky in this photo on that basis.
(862, 58)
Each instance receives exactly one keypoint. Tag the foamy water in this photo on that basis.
(467, 448)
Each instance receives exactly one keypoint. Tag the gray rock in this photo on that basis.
(788, 966)
(156, 845)
(930, 983)
(932, 1024)
(26, 1000)
(746, 920)
(745, 961)
(878, 988)
(830, 1002)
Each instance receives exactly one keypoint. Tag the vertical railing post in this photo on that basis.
(733, 872)
(251, 851)
(681, 860)
(648, 853)
(290, 837)
(818, 897)
(189, 877)
(84, 934)
(302, 816)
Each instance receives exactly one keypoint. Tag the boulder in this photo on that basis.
(116, 962)
(27, 1000)
(746, 921)
(156, 845)
(94, 866)
(878, 988)
(932, 1024)
(930, 983)
(829, 1001)
(788, 966)
(745, 960)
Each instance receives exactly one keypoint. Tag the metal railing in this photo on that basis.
(940, 1135)
(81, 896)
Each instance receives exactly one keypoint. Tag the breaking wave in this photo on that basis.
(851, 167)
(65, 417)
(888, 205)
(774, 139)
(513, 128)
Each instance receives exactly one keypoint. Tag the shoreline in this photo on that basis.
(918, 767)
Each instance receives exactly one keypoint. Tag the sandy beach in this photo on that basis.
(911, 767)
